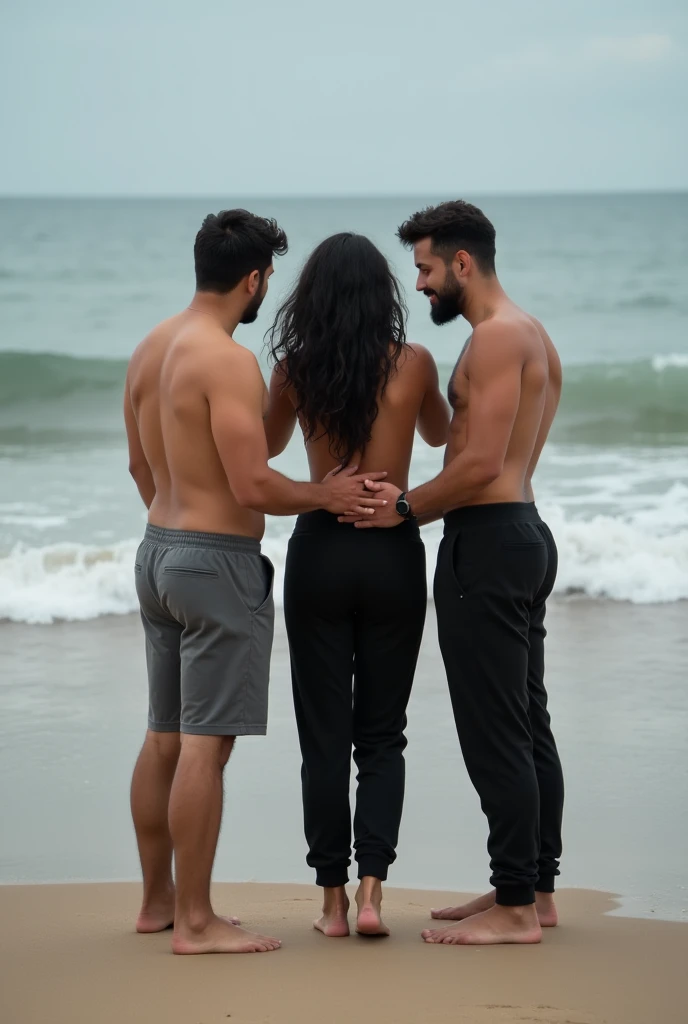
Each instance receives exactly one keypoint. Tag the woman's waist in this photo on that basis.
(322, 522)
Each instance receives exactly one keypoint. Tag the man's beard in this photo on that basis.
(251, 311)
(451, 300)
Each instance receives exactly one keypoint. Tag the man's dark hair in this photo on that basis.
(232, 244)
(450, 227)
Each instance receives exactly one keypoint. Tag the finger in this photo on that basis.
(349, 471)
(377, 502)
(376, 476)
(350, 517)
(364, 524)
(363, 510)
(370, 486)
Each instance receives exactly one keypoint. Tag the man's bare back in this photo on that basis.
(167, 389)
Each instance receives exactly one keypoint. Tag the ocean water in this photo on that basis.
(82, 281)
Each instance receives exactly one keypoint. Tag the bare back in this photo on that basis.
(410, 400)
(538, 399)
(167, 391)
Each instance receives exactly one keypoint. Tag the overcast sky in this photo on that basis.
(282, 97)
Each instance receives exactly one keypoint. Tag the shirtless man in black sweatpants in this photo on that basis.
(496, 567)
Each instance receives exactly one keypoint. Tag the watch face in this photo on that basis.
(403, 507)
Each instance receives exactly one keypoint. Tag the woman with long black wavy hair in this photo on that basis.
(354, 600)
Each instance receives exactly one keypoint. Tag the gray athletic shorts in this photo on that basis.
(208, 615)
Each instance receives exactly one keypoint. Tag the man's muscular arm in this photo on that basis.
(138, 464)
(494, 392)
(234, 390)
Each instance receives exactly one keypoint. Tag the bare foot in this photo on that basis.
(151, 921)
(158, 916)
(219, 936)
(369, 901)
(157, 913)
(334, 922)
(496, 925)
(544, 904)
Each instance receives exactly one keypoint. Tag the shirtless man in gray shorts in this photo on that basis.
(194, 405)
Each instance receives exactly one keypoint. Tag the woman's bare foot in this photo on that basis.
(496, 925)
(220, 936)
(369, 901)
(544, 904)
(546, 909)
(334, 921)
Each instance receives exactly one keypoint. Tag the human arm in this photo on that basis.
(280, 420)
(434, 414)
(494, 369)
(234, 390)
(494, 392)
(138, 464)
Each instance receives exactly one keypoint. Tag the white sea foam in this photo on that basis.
(676, 360)
(641, 557)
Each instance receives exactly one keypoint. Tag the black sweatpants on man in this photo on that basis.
(354, 603)
(496, 568)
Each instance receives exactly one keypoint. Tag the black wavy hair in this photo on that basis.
(232, 244)
(337, 339)
(450, 227)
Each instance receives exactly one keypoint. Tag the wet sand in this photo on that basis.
(68, 955)
(73, 706)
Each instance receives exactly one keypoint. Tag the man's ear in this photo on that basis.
(462, 263)
(253, 282)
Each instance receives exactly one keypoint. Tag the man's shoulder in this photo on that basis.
(503, 335)
(226, 365)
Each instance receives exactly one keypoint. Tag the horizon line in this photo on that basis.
(496, 194)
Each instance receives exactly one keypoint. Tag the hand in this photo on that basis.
(384, 517)
(351, 495)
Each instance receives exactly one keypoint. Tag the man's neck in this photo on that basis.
(484, 301)
(219, 307)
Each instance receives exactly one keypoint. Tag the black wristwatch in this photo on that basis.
(403, 508)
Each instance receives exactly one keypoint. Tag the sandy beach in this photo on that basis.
(69, 956)
(73, 701)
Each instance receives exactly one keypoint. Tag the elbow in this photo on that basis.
(250, 494)
(435, 437)
(275, 448)
(247, 497)
(138, 469)
(486, 471)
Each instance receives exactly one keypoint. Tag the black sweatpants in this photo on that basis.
(496, 567)
(354, 603)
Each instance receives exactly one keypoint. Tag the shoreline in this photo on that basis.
(73, 704)
(69, 955)
(623, 906)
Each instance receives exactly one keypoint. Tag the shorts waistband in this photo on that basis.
(321, 521)
(492, 515)
(196, 539)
